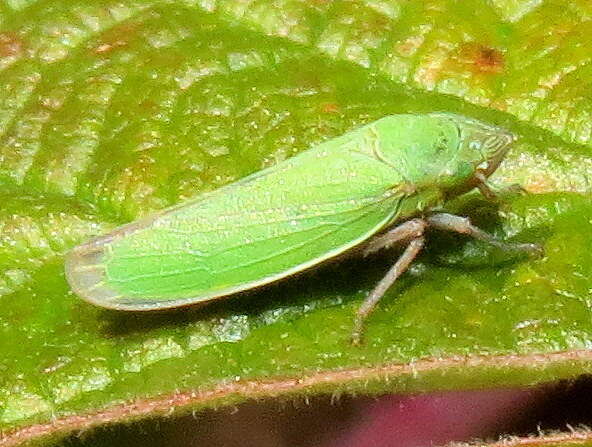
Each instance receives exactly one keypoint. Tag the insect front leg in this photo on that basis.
(459, 224)
(486, 190)
(411, 231)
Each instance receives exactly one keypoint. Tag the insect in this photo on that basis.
(368, 189)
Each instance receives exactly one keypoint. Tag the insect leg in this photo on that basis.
(391, 276)
(459, 224)
(484, 188)
(411, 229)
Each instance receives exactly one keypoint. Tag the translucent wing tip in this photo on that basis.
(85, 268)
(85, 272)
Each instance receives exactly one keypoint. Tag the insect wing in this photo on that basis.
(275, 223)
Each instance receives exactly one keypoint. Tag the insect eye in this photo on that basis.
(475, 145)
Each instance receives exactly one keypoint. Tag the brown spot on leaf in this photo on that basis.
(378, 22)
(10, 45)
(148, 105)
(115, 38)
(483, 59)
(329, 107)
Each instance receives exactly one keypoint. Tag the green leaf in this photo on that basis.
(110, 110)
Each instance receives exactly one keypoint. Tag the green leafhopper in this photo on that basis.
(367, 189)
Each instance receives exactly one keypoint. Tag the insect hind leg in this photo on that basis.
(413, 231)
(405, 232)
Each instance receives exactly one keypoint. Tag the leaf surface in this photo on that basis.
(110, 111)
